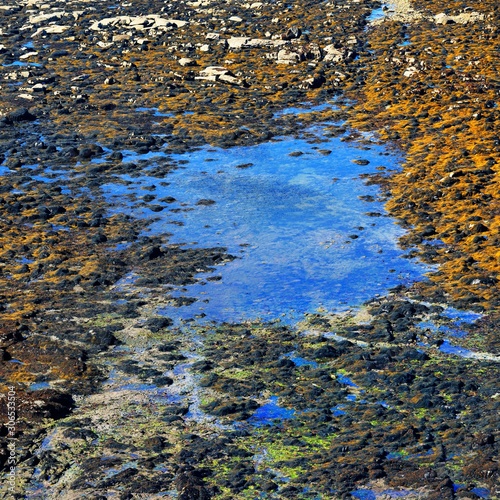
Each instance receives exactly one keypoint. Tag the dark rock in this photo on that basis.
(19, 115)
(158, 323)
(326, 351)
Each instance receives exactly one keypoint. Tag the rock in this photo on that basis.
(314, 82)
(237, 42)
(214, 71)
(158, 323)
(293, 32)
(222, 74)
(52, 29)
(186, 61)
(205, 202)
(410, 71)
(152, 21)
(27, 55)
(38, 88)
(476, 228)
(333, 54)
(462, 18)
(46, 18)
(19, 115)
(286, 56)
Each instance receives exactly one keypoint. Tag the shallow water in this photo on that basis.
(295, 110)
(302, 236)
(269, 413)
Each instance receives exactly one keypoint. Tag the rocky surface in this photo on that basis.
(114, 401)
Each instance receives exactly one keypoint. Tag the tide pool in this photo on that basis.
(290, 212)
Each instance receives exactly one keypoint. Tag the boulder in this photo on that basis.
(286, 56)
(333, 54)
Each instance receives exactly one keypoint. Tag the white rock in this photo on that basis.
(28, 54)
(286, 56)
(232, 80)
(38, 88)
(463, 18)
(186, 61)
(410, 71)
(105, 45)
(205, 48)
(237, 42)
(236, 19)
(332, 54)
(214, 71)
(45, 18)
(121, 38)
(52, 29)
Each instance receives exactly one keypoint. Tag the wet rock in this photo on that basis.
(205, 202)
(19, 115)
(190, 484)
(158, 323)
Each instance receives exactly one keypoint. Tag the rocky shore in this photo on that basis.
(114, 400)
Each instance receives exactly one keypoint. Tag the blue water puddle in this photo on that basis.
(270, 412)
(434, 243)
(365, 494)
(462, 316)
(456, 320)
(131, 156)
(24, 260)
(301, 235)
(481, 492)
(306, 109)
(298, 361)
(22, 64)
(38, 386)
(448, 348)
(338, 411)
(120, 246)
(29, 45)
(113, 472)
(376, 14)
(5, 170)
(56, 227)
(153, 111)
(351, 397)
(343, 379)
